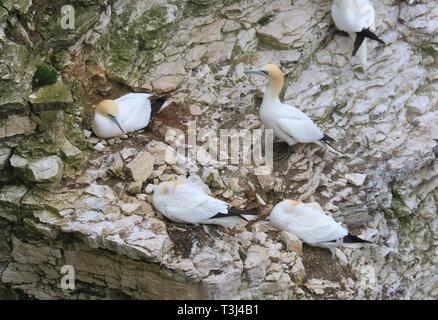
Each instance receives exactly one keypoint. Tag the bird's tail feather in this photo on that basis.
(349, 241)
(371, 35)
(157, 104)
(233, 212)
(350, 238)
(352, 241)
(246, 215)
(326, 137)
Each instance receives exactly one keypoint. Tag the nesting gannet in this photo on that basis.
(186, 201)
(356, 16)
(288, 123)
(128, 113)
(310, 224)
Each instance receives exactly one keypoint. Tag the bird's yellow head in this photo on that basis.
(291, 205)
(273, 71)
(107, 108)
(169, 186)
(274, 74)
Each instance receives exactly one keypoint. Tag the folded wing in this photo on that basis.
(347, 19)
(313, 226)
(191, 205)
(133, 108)
(303, 130)
(367, 14)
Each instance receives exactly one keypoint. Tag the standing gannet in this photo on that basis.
(310, 224)
(185, 201)
(128, 113)
(288, 123)
(356, 16)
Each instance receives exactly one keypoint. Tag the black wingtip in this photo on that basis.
(327, 138)
(341, 33)
(157, 103)
(350, 238)
(371, 35)
(360, 37)
(233, 212)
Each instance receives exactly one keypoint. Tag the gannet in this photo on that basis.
(128, 113)
(185, 201)
(356, 16)
(311, 225)
(288, 123)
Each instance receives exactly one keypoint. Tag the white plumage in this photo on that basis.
(185, 201)
(133, 112)
(307, 221)
(353, 16)
(288, 123)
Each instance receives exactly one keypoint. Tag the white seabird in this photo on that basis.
(356, 16)
(311, 225)
(288, 123)
(185, 201)
(128, 113)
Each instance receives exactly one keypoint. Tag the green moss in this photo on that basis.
(52, 97)
(237, 50)
(428, 49)
(157, 12)
(197, 8)
(49, 25)
(265, 20)
(269, 43)
(212, 181)
(3, 14)
(44, 75)
(54, 92)
(405, 226)
(46, 120)
(129, 47)
(14, 93)
(398, 205)
(74, 133)
(37, 146)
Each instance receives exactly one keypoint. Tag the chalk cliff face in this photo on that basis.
(67, 198)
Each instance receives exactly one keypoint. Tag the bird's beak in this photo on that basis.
(114, 119)
(259, 72)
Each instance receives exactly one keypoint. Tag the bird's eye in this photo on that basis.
(265, 72)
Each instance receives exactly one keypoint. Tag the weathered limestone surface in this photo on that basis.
(99, 217)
